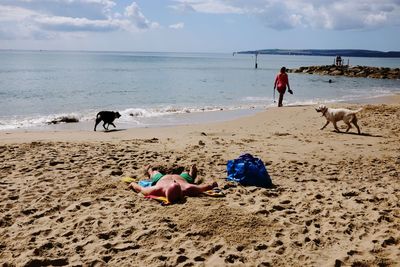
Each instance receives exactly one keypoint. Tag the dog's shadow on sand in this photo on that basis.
(114, 130)
(361, 134)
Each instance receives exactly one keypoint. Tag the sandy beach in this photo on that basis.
(335, 200)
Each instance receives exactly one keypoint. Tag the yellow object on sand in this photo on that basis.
(127, 179)
(215, 192)
(163, 200)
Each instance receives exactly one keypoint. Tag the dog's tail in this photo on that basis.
(356, 111)
(98, 120)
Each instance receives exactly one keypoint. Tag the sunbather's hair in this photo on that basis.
(174, 192)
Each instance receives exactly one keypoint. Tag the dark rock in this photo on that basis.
(65, 119)
(357, 71)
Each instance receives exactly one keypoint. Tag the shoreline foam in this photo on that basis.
(171, 119)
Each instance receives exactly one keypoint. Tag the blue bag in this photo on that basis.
(248, 170)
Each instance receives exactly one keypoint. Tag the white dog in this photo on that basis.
(337, 114)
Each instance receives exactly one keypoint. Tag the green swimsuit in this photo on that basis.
(156, 177)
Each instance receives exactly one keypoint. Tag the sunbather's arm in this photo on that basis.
(135, 187)
(193, 190)
(151, 190)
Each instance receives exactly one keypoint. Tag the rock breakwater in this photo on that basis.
(356, 71)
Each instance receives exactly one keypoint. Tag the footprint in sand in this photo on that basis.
(199, 259)
(181, 259)
(232, 258)
(107, 235)
(47, 262)
(260, 247)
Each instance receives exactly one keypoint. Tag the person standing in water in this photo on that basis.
(281, 81)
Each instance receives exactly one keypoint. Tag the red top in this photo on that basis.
(281, 81)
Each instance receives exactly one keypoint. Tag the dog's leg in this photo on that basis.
(336, 128)
(104, 126)
(113, 124)
(348, 126)
(97, 122)
(327, 122)
(354, 121)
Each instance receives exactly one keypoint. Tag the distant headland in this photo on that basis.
(325, 52)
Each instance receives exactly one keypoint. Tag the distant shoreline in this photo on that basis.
(326, 52)
(284, 52)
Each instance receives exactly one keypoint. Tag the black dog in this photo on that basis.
(108, 117)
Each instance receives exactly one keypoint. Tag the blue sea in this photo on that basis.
(160, 89)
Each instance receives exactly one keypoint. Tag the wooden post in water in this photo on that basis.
(256, 60)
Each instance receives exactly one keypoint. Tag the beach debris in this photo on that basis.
(66, 119)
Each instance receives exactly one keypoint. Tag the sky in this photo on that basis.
(199, 25)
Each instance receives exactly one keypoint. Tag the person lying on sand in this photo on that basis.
(173, 186)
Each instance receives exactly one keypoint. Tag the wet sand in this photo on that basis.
(335, 200)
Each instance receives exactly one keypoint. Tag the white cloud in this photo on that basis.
(44, 19)
(183, 6)
(9, 13)
(376, 19)
(77, 24)
(179, 25)
(15, 23)
(206, 6)
(134, 13)
(320, 14)
(91, 9)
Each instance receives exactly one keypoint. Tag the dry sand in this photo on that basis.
(335, 201)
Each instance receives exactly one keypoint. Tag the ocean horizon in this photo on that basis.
(163, 88)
